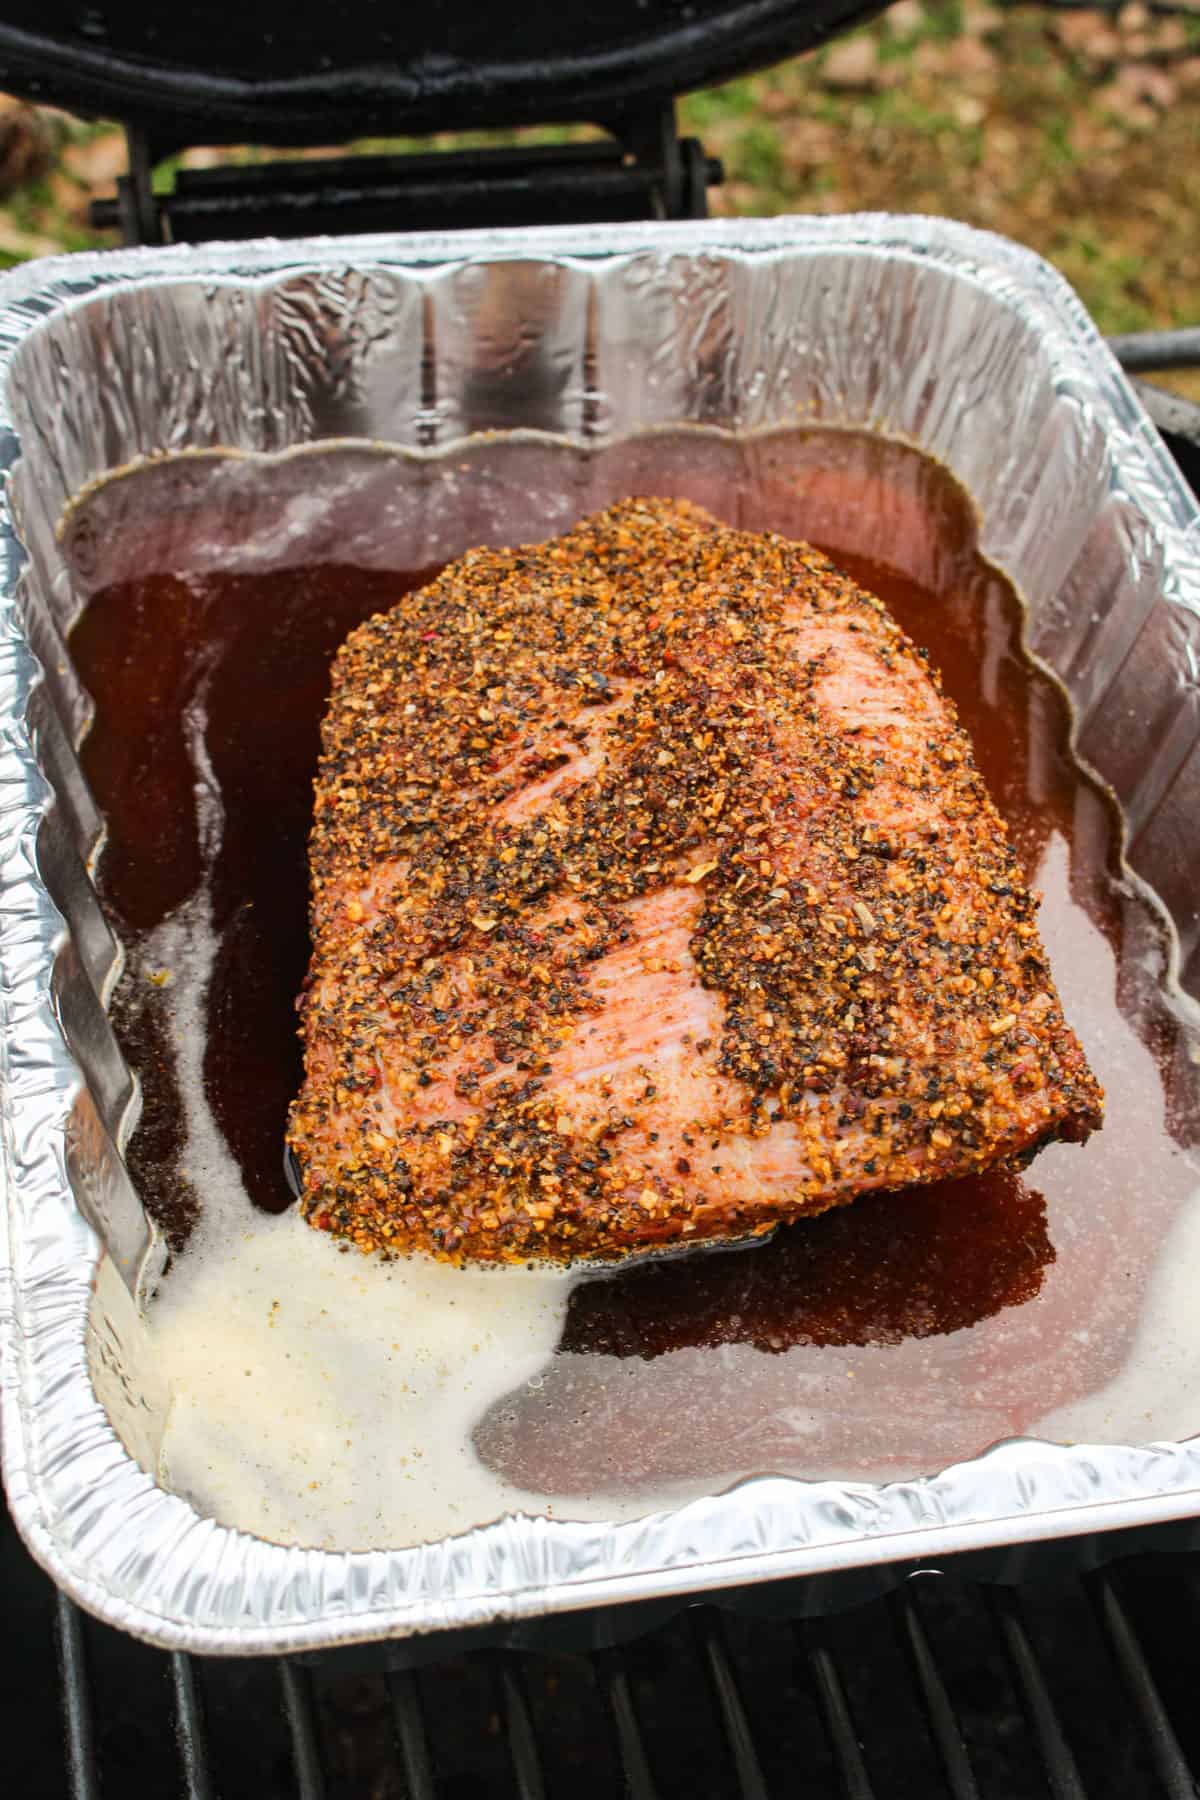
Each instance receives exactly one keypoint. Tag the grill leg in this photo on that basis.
(943, 1726)
(410, 1728)
(1062, 1775)
(522, 1742)
(298, 1706)
(1170, 1764)
(612, 1673)
(189, 1729)
(834, 1709)
(77, 1701)
(710, 1639)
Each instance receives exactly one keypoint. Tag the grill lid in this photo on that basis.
(306, 72)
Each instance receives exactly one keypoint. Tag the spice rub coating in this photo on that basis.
(656, 898)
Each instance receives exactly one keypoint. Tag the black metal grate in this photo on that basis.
(1067, 1687)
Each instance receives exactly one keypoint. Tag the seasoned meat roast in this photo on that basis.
(656, 898)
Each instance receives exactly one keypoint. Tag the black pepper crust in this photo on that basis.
(656, 718)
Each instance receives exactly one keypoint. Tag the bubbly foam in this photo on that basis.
(317, 1396)
(323, 1398)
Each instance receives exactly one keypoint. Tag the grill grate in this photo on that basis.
(835, 1713)
(1165, 1751)
(1072, 1688)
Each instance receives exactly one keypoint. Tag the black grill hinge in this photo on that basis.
(642, 170)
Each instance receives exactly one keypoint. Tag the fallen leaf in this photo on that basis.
(981, 21)
(26, 145)
(99, 161)
(807, 143)
(1128, 100)
(206, 156)
(776, 103)
(854, 63)
(65, 194)
(966, 56)
(25, 243)
(1170, 37)
(905, 17)
(1088, 35)
(1143, 81)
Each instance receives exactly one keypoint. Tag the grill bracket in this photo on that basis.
(642, 169)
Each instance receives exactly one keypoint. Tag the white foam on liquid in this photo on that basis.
(1153, 1397)
(1153, 1394)
(318, 1396)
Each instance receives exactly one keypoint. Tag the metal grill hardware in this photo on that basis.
(1076, 1689)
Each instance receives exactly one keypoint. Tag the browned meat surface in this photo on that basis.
(656, 898)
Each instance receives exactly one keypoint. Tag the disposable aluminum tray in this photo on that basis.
(962, 344)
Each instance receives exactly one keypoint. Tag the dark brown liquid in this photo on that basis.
(893, 1270)
(257, 650)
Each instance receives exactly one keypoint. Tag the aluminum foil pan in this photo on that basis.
(964, 345)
